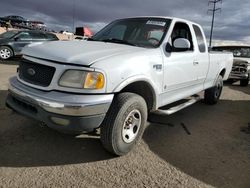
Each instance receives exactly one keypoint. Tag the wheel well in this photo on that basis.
(9, 47)
(144, 90)
(222, 73)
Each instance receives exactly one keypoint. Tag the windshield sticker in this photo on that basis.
(159, 23)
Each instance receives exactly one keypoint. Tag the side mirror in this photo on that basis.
(182, 44)
(16, 38)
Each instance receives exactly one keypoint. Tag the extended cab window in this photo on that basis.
(181, 30)
(200, 39)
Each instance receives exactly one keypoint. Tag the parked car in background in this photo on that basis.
(12, 42)
(13, 19)
(241, 65)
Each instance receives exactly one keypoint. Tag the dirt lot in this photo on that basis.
(200, 146)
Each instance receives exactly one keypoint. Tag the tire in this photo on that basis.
(5, 52)
(212, 95)
(124, 123)
(244, 82)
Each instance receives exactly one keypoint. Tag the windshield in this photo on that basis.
(8, 34)
(237, 51)
(143, 32)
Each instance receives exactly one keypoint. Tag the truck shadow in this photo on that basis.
(23, 143)
(236, 86)
(205, 142)
(242, 89)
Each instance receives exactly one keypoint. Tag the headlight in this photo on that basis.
(82, 79)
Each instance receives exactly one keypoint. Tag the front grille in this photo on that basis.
(35, 73)
(239, 67)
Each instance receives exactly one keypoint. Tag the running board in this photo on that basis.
(194, 99)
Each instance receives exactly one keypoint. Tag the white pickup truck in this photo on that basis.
(130, 68)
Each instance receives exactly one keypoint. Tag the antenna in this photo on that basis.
(213, 10)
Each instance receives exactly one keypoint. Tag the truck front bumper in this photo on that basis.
(65, 112)
(238, 76)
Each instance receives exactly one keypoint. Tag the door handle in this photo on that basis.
(195, 63)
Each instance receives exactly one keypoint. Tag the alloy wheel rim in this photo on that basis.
(218, 90)
(5, 53)
(131, 126)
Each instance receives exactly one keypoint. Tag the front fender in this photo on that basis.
(144, 80)
(134, 79)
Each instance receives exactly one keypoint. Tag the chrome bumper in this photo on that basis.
(238, 76)
(65, 112)
(61, 103)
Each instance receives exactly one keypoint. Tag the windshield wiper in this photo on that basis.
(114, 40)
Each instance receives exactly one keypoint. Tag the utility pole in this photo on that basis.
(74, 14)
(214, 2)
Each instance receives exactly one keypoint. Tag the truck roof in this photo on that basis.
(164, 17)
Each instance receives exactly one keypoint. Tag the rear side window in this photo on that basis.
(51, 36)
(38, 36)
(200, 39)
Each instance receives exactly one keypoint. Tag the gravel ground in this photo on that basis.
(200, 146)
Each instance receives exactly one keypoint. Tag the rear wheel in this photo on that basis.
(124, 123)
(5, 52)
(244, 82)
(212, 95)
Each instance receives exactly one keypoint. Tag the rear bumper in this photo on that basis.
(62, 111)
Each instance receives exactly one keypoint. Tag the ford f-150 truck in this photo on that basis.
(130, 68)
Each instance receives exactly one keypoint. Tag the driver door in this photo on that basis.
(179, 71)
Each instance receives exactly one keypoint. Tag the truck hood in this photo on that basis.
(77, 52)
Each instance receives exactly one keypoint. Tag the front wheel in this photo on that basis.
(5, 52)
(124, 123)
(212, 95)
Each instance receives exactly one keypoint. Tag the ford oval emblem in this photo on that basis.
(31, 72)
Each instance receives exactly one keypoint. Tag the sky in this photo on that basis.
(232, 23)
